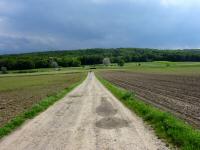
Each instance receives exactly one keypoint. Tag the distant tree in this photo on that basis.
(4, 70)
(54, 64)
(106, 61)
(41, 63)
(93, 57)
(76, 63)
(65, 62)
(8, 63)
(24, 64)
(120, 62)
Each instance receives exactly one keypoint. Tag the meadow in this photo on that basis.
(161, 67)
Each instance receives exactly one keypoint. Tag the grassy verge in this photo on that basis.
(165, 125)
(35, 110)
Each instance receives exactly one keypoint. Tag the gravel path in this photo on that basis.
(88, 118)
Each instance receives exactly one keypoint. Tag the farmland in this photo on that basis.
(173, 92)
(159, 67)
(170, 86)
(19, 92)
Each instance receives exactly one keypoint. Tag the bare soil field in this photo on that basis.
(20, 93)
(177, 94)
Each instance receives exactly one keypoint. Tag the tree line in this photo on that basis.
(76, 58)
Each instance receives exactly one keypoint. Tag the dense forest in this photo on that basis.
(74, 58)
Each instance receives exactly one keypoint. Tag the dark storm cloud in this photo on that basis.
(30, 25)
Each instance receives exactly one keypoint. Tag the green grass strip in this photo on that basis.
(166, 126)
(35, 110)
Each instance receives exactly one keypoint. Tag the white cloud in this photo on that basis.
(165, 3)
(180, 3)
(113, 1)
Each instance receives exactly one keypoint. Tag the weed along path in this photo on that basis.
(88, 118)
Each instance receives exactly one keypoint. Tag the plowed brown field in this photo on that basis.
(177, 94)
(20, 93)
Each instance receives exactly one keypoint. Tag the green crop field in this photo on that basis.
(164, 67)
(20, 82)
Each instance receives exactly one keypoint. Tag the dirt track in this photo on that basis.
(87, 118)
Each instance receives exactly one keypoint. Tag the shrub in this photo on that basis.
(4, 70)
(121, 62)
(106, 61)
(54, 64)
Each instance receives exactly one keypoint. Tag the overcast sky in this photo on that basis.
(37, 25)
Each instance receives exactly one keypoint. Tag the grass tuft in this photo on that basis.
(166, 126)
(34, 111)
